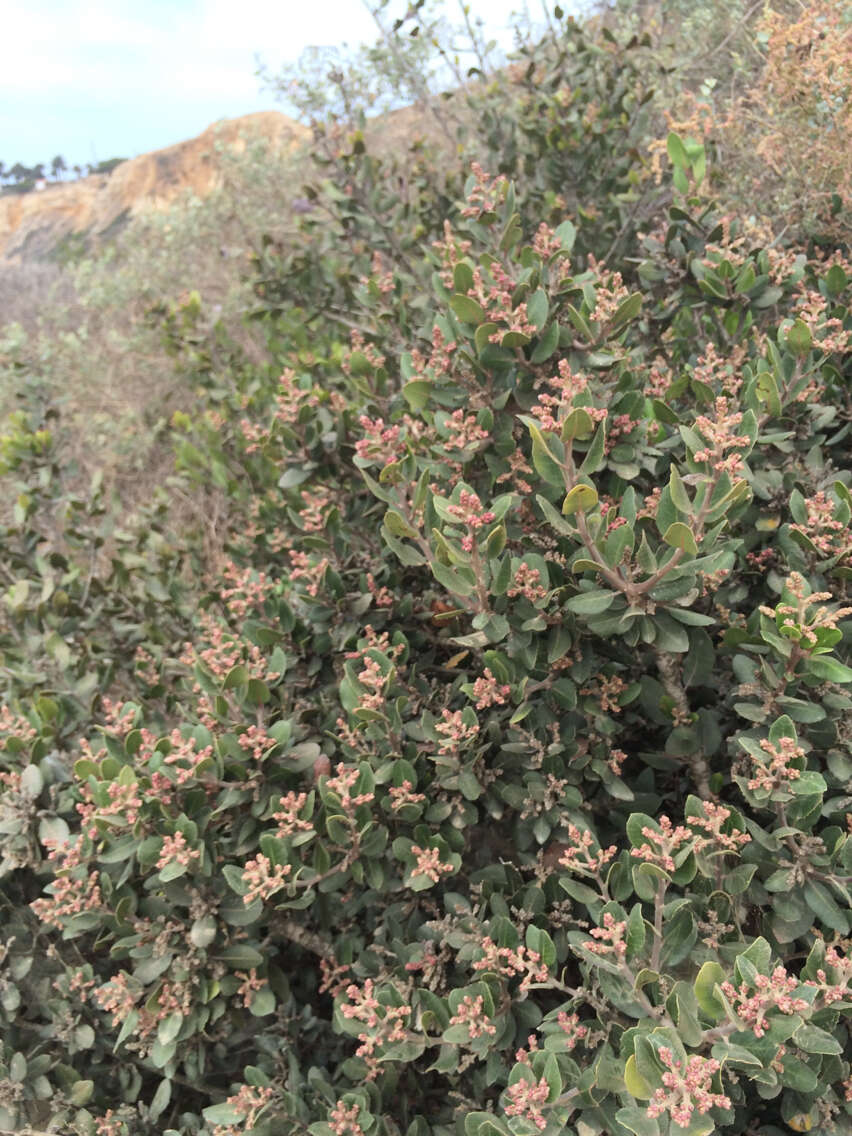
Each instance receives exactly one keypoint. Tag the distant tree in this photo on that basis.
(58, 166)
(19, 172)
(107, 166)
(78, 171)
(37, 171)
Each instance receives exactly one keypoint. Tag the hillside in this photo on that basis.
(32, 225)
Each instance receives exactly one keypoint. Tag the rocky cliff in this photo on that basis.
(32, 225)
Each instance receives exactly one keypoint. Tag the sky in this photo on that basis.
(97, 79)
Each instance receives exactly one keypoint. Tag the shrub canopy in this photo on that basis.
(485, 766)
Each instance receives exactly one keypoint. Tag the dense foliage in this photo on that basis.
(481, 764)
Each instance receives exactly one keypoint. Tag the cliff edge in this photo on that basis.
(32, 225)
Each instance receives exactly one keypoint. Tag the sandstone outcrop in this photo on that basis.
(34, 224)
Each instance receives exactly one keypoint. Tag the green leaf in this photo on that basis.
(595, 455)
(635, 934)
(579, 500)
(567, 234)
(462, 278)
(591, 603)
(767, 391)
(581, 323)
(537, 309)
(160, 1100)
(677, 152)
(679, 535)
(709, 976)
(416, 393)
(545, 459)
(835, 280)
(829, 670)
(636, 1120)
(455, 583)
(397, 525)
(240, 957)
(799, 338)
(223, 1114)
(679, 495)
(636, 1084)
(467, 309)
(822, 903)
(627, 310)
(81, 1093)
(480, 1124)
(236, 676)
(815, 1040)
(546, 345)
(578, 424)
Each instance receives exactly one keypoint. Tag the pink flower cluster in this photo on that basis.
(773, 992)
(572, 1028)
(382, 277)
(291, 398)
(455, 733)
(472, 1014)
(611, 938)
(779, 769)
(263, 879)
(176, 851)
(256, 741)
(382, 596)
(384, 1023)
(718, 432)
(470, 513)
(315, 503)
(248, 1102)
(289, 821)
(463, 431)
(14, 726)
(359, 344)
(342, 783)
(662, 847)
(224, 650)
(343, 1119)
(609, 295)
(489, 692)
(836, 988)
(828, 535)
(519, 467)
(309, 569)
(687, 1088)
(486, 194)
(526, 1099)
(798, 619)
(546, 243)
(381, 444)
(551, 409)
(526, 583)
(250, 985)
(575, 855)
(429, 864)
(510, 962)
(403, 795)
(439, 361)
(717, 841)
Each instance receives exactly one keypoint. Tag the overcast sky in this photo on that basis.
(96, 79)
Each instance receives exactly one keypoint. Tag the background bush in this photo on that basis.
(458, 739)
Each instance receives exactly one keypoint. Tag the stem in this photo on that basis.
(656, 950)
(672, 682)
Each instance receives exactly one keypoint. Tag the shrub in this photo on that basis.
(500, 781)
